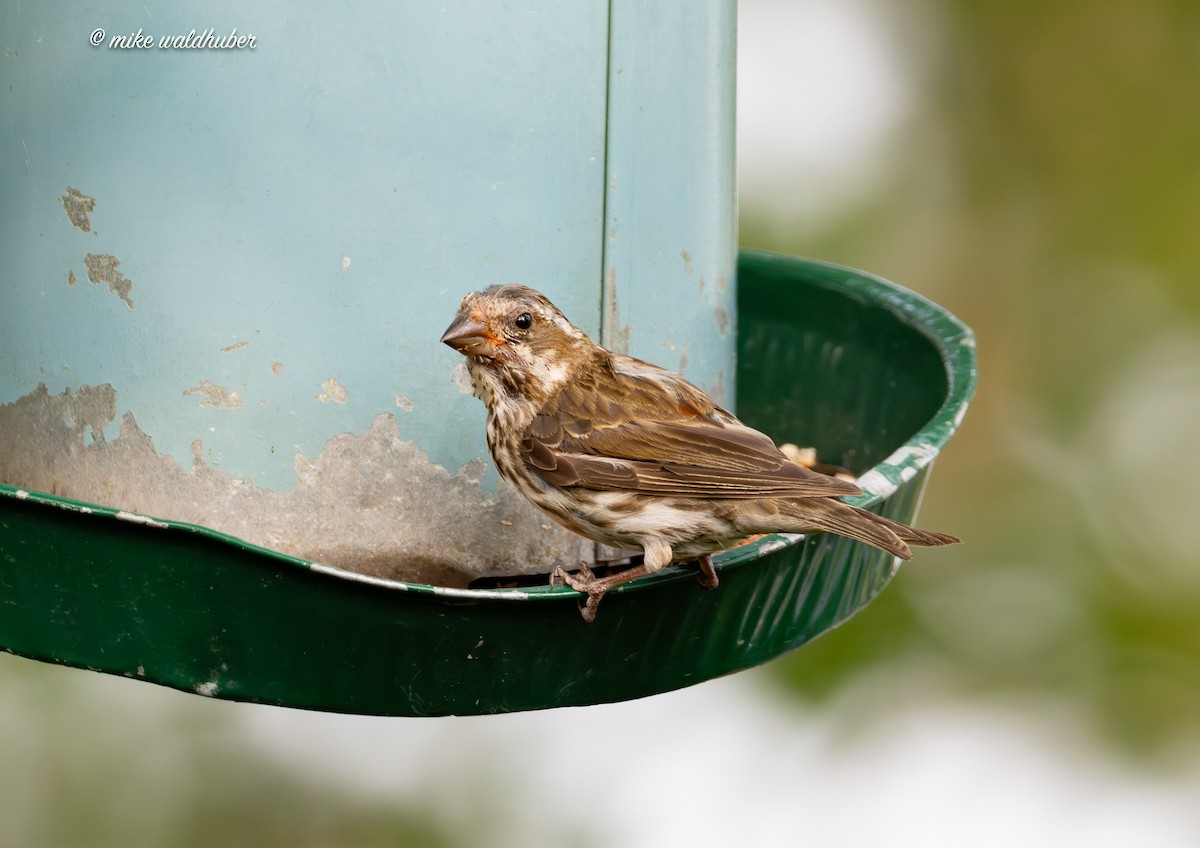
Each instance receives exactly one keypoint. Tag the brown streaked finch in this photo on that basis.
(633, 456)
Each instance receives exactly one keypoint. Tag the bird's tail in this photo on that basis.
(835, 516)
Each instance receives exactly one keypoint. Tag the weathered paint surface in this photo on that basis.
(213, 395)
(333, 392)
(219, 194)
(102, 268)
(78, 207)
(352, 506)
(670, 233)
(326, 207)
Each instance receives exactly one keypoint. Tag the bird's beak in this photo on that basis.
(470, 337)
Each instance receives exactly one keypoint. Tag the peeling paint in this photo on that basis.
(405, 403)
(78, 207)
(721, 314)
(777, 542)
(345, 264)
(70, 277)
(901, 466)
(875, 483)
(461, 378)
(371, 503)
(235, 346)
(145, 520)
(613, 334)
(215, 396)
(102, 268)
(276, 368)
(333, 392)
(687, 263)
(474, 470)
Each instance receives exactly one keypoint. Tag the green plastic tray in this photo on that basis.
(873, 375)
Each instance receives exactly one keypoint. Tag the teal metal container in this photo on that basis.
(223, 271)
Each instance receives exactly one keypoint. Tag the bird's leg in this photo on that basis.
(658, 555)
(707, 578)
(597, 587)
(560, 576)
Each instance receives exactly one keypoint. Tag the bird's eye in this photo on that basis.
(524, 321)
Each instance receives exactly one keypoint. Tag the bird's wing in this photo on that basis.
(637, 428)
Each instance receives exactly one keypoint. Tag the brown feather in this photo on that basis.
(630, 426)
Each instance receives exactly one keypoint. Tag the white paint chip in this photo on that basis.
(334, 392)
(876, 484)
(461, 378)
(134, 518)
(345, 264)
(215, 396)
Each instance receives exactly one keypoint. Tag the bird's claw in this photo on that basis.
(707, 576)
(595, 588)
(579, 582)
(587, 583)
(584, 582)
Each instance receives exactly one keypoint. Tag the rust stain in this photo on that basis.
(102, 268)
(78, 207)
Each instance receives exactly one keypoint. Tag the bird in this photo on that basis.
(634, 456)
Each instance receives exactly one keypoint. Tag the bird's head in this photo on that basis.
(515, 337)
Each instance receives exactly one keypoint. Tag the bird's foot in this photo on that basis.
(585, 582)
(707, 576)
(561, 577)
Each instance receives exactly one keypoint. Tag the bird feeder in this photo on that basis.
(222, 268)
(234, 459)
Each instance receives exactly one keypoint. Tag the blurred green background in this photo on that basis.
(1043, 183)
(1034, 167)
